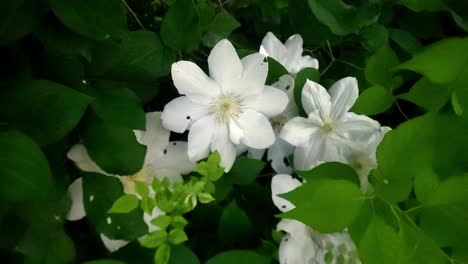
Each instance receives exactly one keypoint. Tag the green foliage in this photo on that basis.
(301, 78)
(234, 225)
(124, 204)
(237, 256)
(373, 100)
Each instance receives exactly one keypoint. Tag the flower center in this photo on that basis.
(227, 107)
(327, 128)
(278, 122)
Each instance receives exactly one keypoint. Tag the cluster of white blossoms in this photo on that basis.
(231, 111)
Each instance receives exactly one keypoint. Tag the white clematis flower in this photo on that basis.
(289, 54)
(303, 245)
(329, 127)
(163, 159)
(230, 107)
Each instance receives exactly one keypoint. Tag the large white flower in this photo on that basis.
(289, 54)
(230, 108)
(303, 245)
(329, 127)
(163, 159)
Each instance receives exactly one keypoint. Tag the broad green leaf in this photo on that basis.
(456, 104)
(59, 40)
(206, 13)
(441, 62)
(342, 18)
(405, 40)
(378, 70)
(98, 19)
(177, 236)
(23, 103)
(220, 28)
(24, 170)
(162, 221)
(99, 194)
(375, 36)
(125, 204)
(138, 57)
(245, 170)
(301, 78)
(423, 5)
(66, 70)
(373, 100)
(19, 18)
(326, 205)
(114, 148)
(234, 225)
(118, 105)
(238, 256)
(180, 28)
(163, 253)
(183, 254)
(430, 96)
(275, 71)
(331, 170)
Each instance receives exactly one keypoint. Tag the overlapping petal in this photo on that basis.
(315, 97)
(224, 63)
(270, 102)
(180, 113)
(298, 131)
(257, 129)
(283, 183)
(344, 94)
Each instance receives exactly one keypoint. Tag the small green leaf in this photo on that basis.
(245, 170)
(163, 253)
(301, 78)
(147, 204)
(213, 168)
(205, 198)
(124, 204)
(379, 67)
(375, 36)
(154, 239)
(220, 28)
(177, 236)
(373, 100)
(234, 225)
(275, 71)
(142, 188)
(181, 254)
(179, 222)
(162, 221)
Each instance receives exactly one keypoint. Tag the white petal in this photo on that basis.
(321, 149)
(258, 132)
(272, 47)
(236, 134)
(283, 183)
(147, 218)
(173, 162)
(113, 245)
(180, 113)
(278, 155)
(315, 97)
(294, 51)
(306, 157)
(79, 155)
(285, 84)
(270, 102)
(200, 137)
(223, 145)
(357, 127)
(254, 74)
(298, 131)
(304, 62)
(256, 153)
(156, 137)
(75, 190)
(298, 250)
(190, 80)
(224, 63)
(293, 227)
(343, 95)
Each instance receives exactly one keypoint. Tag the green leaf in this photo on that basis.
(109, 146)
(245, 170)
(379, 67)
(423, 5)
(331, 170)
(124, 204)
(99, 194)
(301, 78)
(179, 222)
(142, 188)
(375, 36)
(430, 96)
(372, 101)
(20, 18)
(163, 253)
(220, 28)
(24, 170)
(341, 18)
(205, 198)
(275, 71)
(441, 62)
(211, 168)
(147, 204)
(154, 239)
(162, 221)
(23, 106)
(405, 40)
(104, 261)
(234, 225)
(132, 59)
(326, 205)
(238, 256)
(118, 105)
(183, 254)
(98, 19)
(180, 28)
(177, 236)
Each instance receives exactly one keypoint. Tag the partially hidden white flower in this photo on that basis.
(329, 127)
(230, 107)
(289, 54)
(301, 244)
(163, 159)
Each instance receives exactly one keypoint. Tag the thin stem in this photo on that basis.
(401, 110)
(349, 64)
(328, 67)
(134, 15)
(221, 4)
